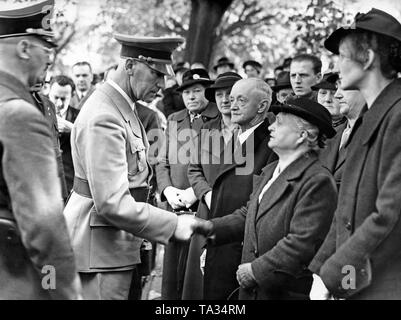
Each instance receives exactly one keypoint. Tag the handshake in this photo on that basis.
(188, 224)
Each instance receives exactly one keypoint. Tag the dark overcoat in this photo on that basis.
(366, 232)
(178, 148)
(330, 156)
(283, 232)
(201, 175)
(230, 191)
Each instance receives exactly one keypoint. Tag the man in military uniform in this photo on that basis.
(33, 234)
(108, 207)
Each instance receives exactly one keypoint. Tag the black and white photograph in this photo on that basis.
(200, 154)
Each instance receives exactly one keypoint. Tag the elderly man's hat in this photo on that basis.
(328, 82)
(310, 111)
(194, 76)
(154, 51)
(375, 20)
(283, 81)
(224, 80)
(252, 63)
(223, 61)
(28, 20)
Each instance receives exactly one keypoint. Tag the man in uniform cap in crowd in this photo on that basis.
(33, 232)
(108, 210)
(252, 68)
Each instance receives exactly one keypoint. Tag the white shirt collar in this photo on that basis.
(122, 92)
(242, 136)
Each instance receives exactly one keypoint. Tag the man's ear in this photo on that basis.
(129, 66)
(23, 49)
(319, 77)
(263, 106)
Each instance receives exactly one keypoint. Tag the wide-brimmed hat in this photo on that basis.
(194, 76)
(224, 80)
(328, 82)
(282, 82)
(375, 20)
(310, 111)
(223, 61)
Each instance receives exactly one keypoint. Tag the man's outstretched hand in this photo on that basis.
(188, 224)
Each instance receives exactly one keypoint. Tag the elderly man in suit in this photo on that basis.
(289, 211)
(351, 107)
(250, 103)
(34, 241)
(171, 172)
(107, 212)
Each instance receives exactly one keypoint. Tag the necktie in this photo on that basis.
(345, 136)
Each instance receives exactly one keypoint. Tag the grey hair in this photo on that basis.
(263, 89)
(315, 140)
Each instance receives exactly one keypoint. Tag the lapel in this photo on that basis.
(382, 105)
(71, 114)
(329, 155)
(278, 188)
(240, 156)
(183, 120)
(124, 108)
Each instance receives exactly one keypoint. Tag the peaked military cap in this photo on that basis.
(328, 82)
(375, 21)
(33, 19)
(154, 51)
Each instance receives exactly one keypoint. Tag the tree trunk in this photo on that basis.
(205, 18)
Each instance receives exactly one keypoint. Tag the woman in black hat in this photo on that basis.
(326, 90)
(202, 175)
(365, 235)
(290, 210)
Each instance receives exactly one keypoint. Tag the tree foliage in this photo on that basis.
(264, 30)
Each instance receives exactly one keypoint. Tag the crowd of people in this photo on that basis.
(279, 188)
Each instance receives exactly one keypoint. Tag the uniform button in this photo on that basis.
(256, 253)
(363, 271)
(348, 226)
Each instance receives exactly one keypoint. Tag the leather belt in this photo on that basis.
(81, 187)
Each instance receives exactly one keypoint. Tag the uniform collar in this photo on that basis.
(122, 92)
(15, 85)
